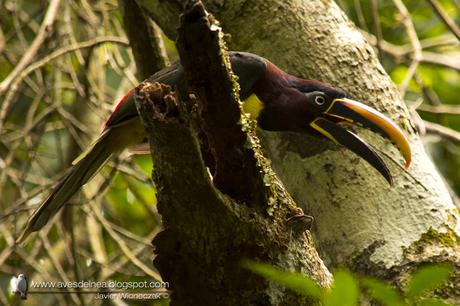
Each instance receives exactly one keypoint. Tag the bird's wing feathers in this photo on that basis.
(248, 67)
(126, 109)
(122, 129)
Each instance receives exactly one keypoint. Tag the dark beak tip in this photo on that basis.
(385, 172)
(390, 181)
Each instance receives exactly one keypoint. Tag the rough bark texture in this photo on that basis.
(207, 232)
(360, 221)
(223, 137)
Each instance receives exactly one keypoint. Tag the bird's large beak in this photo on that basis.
(352, 112)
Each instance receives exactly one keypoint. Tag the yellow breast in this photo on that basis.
(253, 106)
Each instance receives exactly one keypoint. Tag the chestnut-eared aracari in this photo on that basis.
(277, 100)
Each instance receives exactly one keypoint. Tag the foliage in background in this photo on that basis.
(422, 40)
(348, 288)
(57, 109)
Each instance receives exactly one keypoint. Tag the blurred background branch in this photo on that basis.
(63, 66)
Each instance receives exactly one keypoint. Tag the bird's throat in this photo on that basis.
(253, 106)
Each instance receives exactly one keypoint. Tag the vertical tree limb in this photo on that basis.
(201, 56)
(144, 39)
(208, 232)
(449, 22)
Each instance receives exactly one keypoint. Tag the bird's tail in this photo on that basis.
(85, 166)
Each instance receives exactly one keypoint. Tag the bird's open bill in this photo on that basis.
(350, 111)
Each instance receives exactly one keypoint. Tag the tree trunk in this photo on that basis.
(211, 226)
(360, 221)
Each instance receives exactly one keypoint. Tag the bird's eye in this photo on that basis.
(320, 100)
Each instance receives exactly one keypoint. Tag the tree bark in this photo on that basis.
(210, 226)
(360, 221)
(144, 38)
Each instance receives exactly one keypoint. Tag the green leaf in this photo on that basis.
(382, 292)
(432, 302)
(344, 291)
(292, 280)
(428, 278)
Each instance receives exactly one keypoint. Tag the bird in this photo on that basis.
(277, 100)
(19, 286)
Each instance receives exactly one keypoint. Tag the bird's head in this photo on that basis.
(292, 104)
